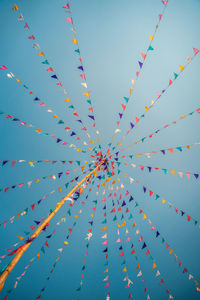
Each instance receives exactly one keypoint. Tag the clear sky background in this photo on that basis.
(111, 35)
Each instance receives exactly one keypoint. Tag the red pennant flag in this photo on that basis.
(133, 251)
(150, 193)
(46, 244)
(121, 254)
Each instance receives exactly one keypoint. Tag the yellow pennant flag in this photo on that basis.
(15, 7)
(82, 168)
(67, 100)
(139, 154)
(91, 142)
(57, 258)
(172, 171)
(66, 243)
(151, 38)
(76, 216)
(106, 271)
(187, 146)
(55, 116)
(119, 143)
(98, 140)
(104, 229)
(37, 180)
(84, 260)
(18, 80)
(59, 189)
(87, 94)
(181, 67)
(38, 255)
(134, 224)
(154, 266)
(170, 252)
(130, 91)
(103, 184)
(124, 270)
(113, 182)
(138, 266)
(92, 215)
(147, 108)
(163, 200)
(144, 217)
(19, 214)
(20, 237)
(75, 41)
(41, 53)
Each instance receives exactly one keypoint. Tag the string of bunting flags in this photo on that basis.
(159, 95)
(51, 69)
(141, 63)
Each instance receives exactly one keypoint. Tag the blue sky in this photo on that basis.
(111, 35)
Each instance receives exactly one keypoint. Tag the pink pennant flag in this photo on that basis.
(84, 128)
(140, 239)
(13, 162)
(128, 285)
(188, 175)
(59, 83)
(120, 197)
(26, 26)
(42, 104)
(160, 17)
(94, 208)
(105, 243)
(107, 284)
(127, 192)
(142, 168)
(165, 2)
(118, 240)
(4, 68)
(103, 200)
(31, 37)
(23, 123)
(195, 51)
(82, 76)
(128, 239)
(69, 20)
(153, 227)
(66, 6)
(137, 74)
(158, 95)
(21, 184)
(4, 224)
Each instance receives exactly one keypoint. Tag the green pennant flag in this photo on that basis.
(118, 163)
(95, 201)
(78, 289)
(175, 75)
(71, 106)
(78, 162)
(142, 116)
(179, 148)
(106, 263)
(66, 185)
(89, 101)
(195, 222)
(163, 240)
(104, 222)
(69, 212)
(165, 171)
(123, 263)
(109, 144)
(77, 51)
(60, 122)
(143, 139)
(87, 245)
(126, 99)
(26, 210)
(26, 87)
(118, 171)
(115, 218)
(136, 204)
(54, 265)
(131, 156)
(130, 217)
(150, 48)
(157, 196)
(122, 217)
(42, 249)
(26, 232)
(1, 112)
(45, 62)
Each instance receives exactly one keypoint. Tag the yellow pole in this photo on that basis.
(19, 254)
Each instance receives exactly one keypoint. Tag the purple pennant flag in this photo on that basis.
(140, 64)
(36, 99)
(73, 133)
(54, 76)
(37, 222)
(106, 250)
(60, 174)
(13, 186)
(120, 115)
(92, 117)
(157, 233)
(15, 119)
(163, 91)
(149, 169)
(144, 246)
(124, 203)
(120, 248)
(163, 152)
(39, 202)
(54, 161)
(116, 159)
(91, 223)
(196, 176)
(132, 125)
(144, 189)
(58, 140)
(182, 213)
(104, 207)
(157, 131)
(63, 161)
(80, 68)
(4, 162)
(131, 198)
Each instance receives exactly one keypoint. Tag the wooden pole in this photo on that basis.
(21, 251)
